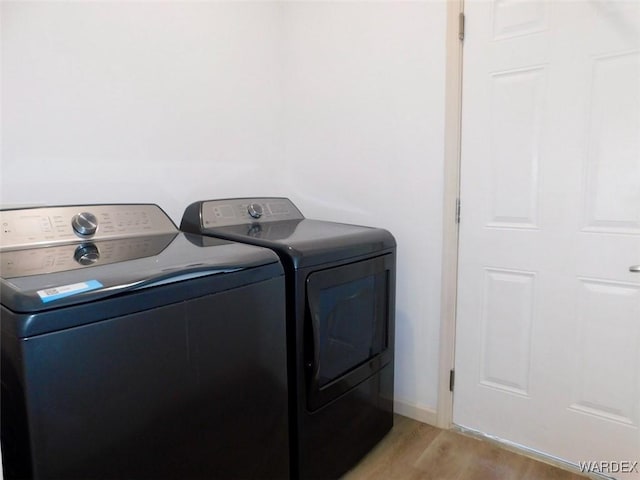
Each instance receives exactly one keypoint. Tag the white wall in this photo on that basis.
(364, 130)
(132, 101)
(338, 105)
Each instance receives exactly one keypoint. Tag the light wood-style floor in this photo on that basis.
(414, 450)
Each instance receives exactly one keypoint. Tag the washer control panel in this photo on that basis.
(33, 227)
(239, 211)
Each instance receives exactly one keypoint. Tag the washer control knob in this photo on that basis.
(255, 210)
(87, 254)
(84, 224)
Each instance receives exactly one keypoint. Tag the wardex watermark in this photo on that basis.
(614, 466)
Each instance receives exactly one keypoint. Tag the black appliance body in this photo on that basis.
(133, 351)
(340, 324)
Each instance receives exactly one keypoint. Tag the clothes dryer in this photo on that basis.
(340, 324)
(133, 351)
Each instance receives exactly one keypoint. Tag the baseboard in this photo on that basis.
(421, 413)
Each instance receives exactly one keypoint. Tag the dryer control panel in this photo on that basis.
(239, 211)
(45, 226)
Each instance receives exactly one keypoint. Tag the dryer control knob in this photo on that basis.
(84, 224)
(87, 254)
(255, 210)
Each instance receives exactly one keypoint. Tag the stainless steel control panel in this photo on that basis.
(238, 211)
(47, 226)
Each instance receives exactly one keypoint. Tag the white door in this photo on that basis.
(548, 317)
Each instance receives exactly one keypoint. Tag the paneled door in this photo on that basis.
(548, 314)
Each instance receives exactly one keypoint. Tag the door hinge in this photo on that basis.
(452, 379)
(461, 26)
(457, 210)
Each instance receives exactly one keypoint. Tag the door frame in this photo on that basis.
(451, 210)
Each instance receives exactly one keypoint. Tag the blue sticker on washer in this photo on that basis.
(56, 293)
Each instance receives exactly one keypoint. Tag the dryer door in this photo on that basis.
(348, 322)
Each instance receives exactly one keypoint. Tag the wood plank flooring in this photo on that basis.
(414, 450)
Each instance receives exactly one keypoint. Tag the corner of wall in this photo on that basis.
(416, 411)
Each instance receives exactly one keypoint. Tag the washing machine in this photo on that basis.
(133, 351)
(340, 289)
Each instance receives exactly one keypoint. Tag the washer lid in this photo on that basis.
(184, 257)
(63, 255)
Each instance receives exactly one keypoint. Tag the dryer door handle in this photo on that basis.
(316, 347)
(311, 342)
